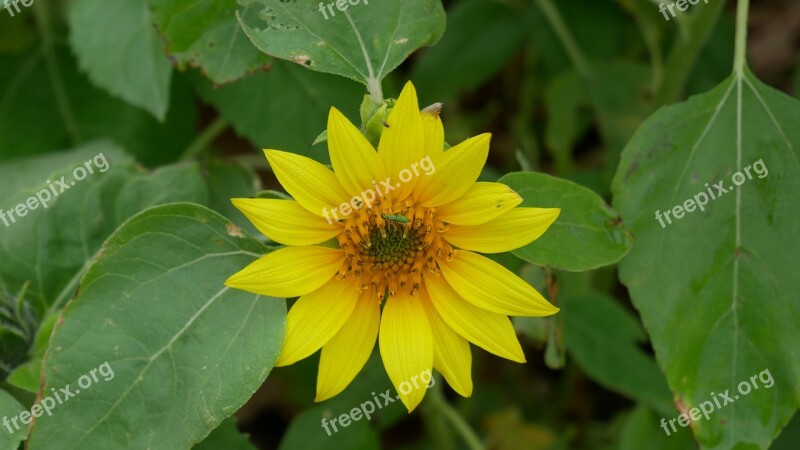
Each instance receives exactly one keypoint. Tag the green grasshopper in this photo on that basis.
(396, 218)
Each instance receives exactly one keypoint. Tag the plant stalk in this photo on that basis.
(212, 132)
(740, 55)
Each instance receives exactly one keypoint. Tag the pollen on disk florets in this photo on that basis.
(393, 246)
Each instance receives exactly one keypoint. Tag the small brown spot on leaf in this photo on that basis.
(303, 60)
(234, 231)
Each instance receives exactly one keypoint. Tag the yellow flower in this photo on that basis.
(408, 220)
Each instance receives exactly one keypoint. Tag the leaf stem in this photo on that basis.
(43, 25)
(212, 131)
(438, 404)
(375, 90)
(567, 39)
(684, 52)
(740, 55)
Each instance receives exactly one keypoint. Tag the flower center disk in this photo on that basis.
(392, 247)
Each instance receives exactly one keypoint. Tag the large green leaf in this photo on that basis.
(186, 351)
(642, 430)
(45, 253)
(586, 235)
(306, 432)
(46, 104)
(118, 47)
(206, 34)
(10, 407)
(49, 249)
(604, 338)
(717, 288)
(285, 108)
(364, 42)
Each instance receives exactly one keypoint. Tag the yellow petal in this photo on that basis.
(451, 352)
(488, 285)
(433, 133)
(354, 160)
(433, 130)
(456, 171)
(491, 331)
(482, 203)
(406, 344)
(402, 143)
(315, 318)
(347, 352)
(289, 271)
(310, 183)
(514, 229)
(286, 221)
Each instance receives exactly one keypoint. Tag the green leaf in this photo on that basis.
(39, 115)
(227, 437)
(619, 94)
(26, 376)
(364, 43)
(17, 328)
(717, 288)
(186, 351)
(117, 46)
(10, 407)
(294, 108)
(306, 431)
(566, 98)
(51, 247)
(642, 429)
(47, 251)
(206, 34)
(586, 235)
(492, 31)
(227, 181)
(604, 339)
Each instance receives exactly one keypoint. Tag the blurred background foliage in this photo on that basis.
(561, 90)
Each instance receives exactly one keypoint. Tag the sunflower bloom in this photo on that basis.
(409, 221)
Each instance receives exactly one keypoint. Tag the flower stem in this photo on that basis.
(740, 55)
(375, 90)
(439, 405)
(567, 39)
(201, 142)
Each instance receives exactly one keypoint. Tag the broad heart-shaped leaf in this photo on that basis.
(717, 288)
(587, 233)
(206, 34)
(45, 253)
(603, 338)
(50, 248)
(186, 351)
(284, 108)
(10, 407)
(118, 47)
(364, 42)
